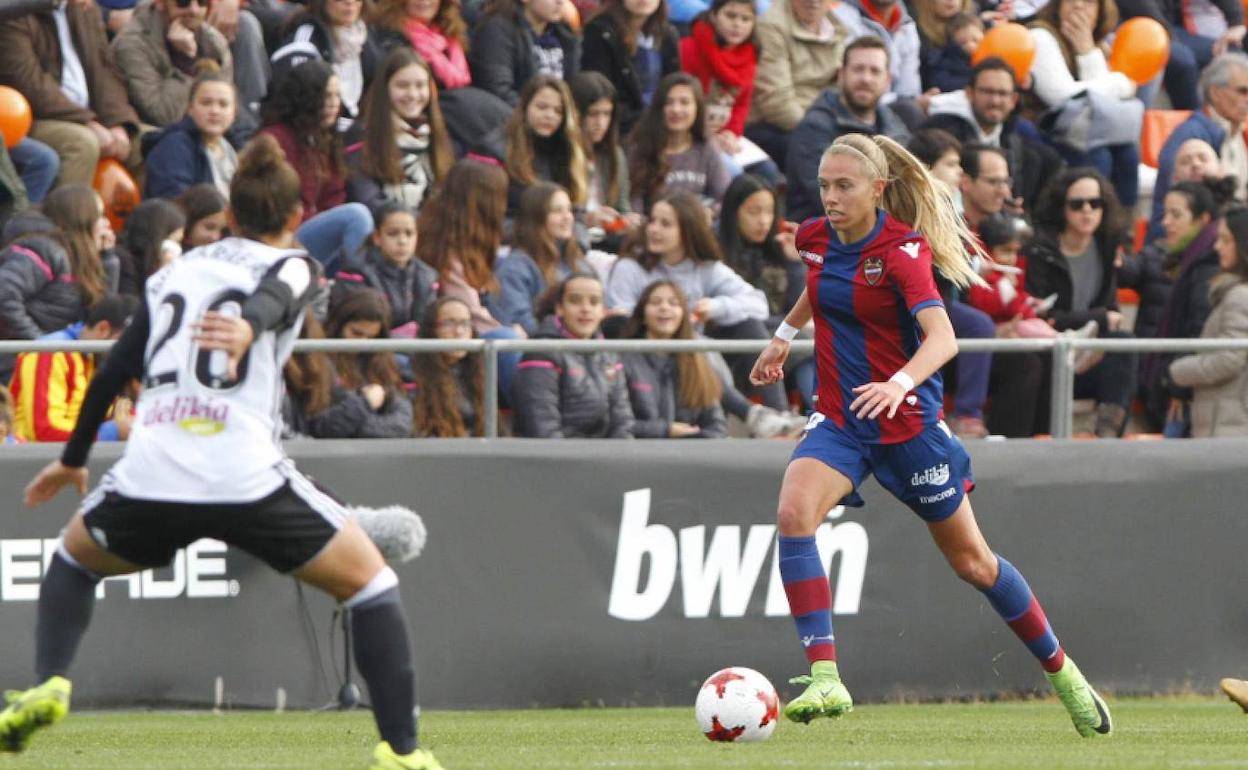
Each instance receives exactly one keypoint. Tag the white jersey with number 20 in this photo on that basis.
(199, 436)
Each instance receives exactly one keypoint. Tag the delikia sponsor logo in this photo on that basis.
(936, 476)
(199, 417)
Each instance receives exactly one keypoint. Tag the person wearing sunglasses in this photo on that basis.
(1079, 229)
(157, 52)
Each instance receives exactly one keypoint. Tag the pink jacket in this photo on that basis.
(445, 56)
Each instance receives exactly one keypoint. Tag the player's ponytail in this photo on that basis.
(917, 198)
(264, 192)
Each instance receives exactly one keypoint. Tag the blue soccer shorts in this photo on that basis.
(930, 473)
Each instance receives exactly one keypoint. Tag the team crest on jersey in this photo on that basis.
(872, 270)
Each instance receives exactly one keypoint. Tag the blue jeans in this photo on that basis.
(1189, 54)
(974, 369)
(334, 235)
(507, 362)
(38, 165)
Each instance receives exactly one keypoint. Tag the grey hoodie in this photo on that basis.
(733, 300)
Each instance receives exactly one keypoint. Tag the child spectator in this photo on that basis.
(572, 395)
(406, 147)
(518, 40)
(194, 150)
(364, 315)
(673, 395)
(631, 42)
(389, 265)
(205, 216)
(544, 143)
(449, 401)
(151, 239)
(941, 152)
(607, 205)
(543, 252)
(669, 149)
(342, 37)
(752, 235)
(940, 57)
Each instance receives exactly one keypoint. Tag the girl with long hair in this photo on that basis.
(544, 142)
(344, 39)
(632, 43)
(406, 148)
(449, 400)
(364, 314)
(195, 149)
(607, 203)
(151, 239)
(673, 395)
(669, 150)
(888, 224)
(204, 208)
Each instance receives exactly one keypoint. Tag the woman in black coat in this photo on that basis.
(634, 50)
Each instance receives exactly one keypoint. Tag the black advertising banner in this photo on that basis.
(565, 573)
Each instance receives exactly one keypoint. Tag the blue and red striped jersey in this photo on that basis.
(864, 297)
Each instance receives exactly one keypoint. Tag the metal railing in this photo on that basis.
(1061, 349)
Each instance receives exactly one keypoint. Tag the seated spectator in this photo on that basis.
(1221, 123)
(343, 39)
(543, 252)
(896, 28)
(38, 165)
(631, 42)
(1198, 32)
(406, 148)
(944, 64)
(1078, 233)
(983, 113)
(544, 142)
(853, 107)
(1219, 379)
(518, 40)
(194, 150)
(800, 48)
(1068, 63)
(204, 208)
(607, 205)
(670, 151)
(389, 265)
(364, 315)
(158, 52)
(753, 235)
(572, 395)
(673, 395)
(449, 401)
(48, 388)
(76, 94)
(151, 239)
(301, 113)
(251, 58)
(942, 154)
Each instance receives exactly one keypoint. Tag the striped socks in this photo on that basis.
(1013, 600)
(810, 597)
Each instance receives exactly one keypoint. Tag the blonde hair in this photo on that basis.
(918, 199)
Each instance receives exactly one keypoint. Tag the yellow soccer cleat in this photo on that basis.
(1086, 709)
(28, 711)
(825, 695)
(384, 758)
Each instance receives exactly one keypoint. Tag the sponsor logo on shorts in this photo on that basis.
(872, 270)
(811, 257)
(195, 415)
(936, 476)
(936, 498)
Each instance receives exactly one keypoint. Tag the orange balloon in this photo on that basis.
(118, 190)
(1141, 49)
(1011, 43)
(572, 17)
(14, 116)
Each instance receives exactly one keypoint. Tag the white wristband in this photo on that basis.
(786, 332)
(904, 380)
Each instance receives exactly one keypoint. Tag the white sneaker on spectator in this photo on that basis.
(1085, 359)
(765, 422)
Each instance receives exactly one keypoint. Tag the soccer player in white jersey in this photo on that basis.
(203, 460)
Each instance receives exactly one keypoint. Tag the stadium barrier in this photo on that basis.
(568, 573)
(1061, 349)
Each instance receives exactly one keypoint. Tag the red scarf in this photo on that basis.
(732, 67)
(894, 15)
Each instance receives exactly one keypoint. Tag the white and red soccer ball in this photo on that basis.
(737, 704)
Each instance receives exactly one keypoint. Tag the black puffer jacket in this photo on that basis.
(570, 395)
(1146, 274)
(1048, 273)
(348, 416)
(502, 56)
(410, 290)
(653, 389)
(38, 293)
(605, 52)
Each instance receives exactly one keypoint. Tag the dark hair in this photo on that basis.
(717, 6)
(464, 220)
(309, 376)
(1236, 220)
(697, 385)
(1050, 212)
(553, 297)
(532, 237)
(971, 153)
(200, 201)
(297, 99)
(866, 43)
(992, 64)
(355, 370)
(736, 250)
(1200, 198)
(265, 190)
(589, 87)
(696, 238)
(997, 230)
(389, 208)
(449, 18)
(435, 408)
(961, 21)
(648, 167)
(654, 26)
(116, 309)
(380, 158)
(74, 209)
(566, 153)
(929, 145)
(151, 222)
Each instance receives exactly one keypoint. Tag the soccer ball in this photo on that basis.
(737, 704)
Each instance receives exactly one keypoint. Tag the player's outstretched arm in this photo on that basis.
(769, 367)
(939, 346)
(55, 475)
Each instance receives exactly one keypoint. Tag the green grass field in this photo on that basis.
(1170, 732)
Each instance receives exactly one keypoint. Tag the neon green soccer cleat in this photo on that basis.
(384, 758)
(1087, 710)
(825, 695)
(27, 711)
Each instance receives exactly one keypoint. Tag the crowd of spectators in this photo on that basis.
(511, 169)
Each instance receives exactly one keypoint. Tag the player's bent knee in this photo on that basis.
(385, 581)
(796, 519)
(978, 569)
